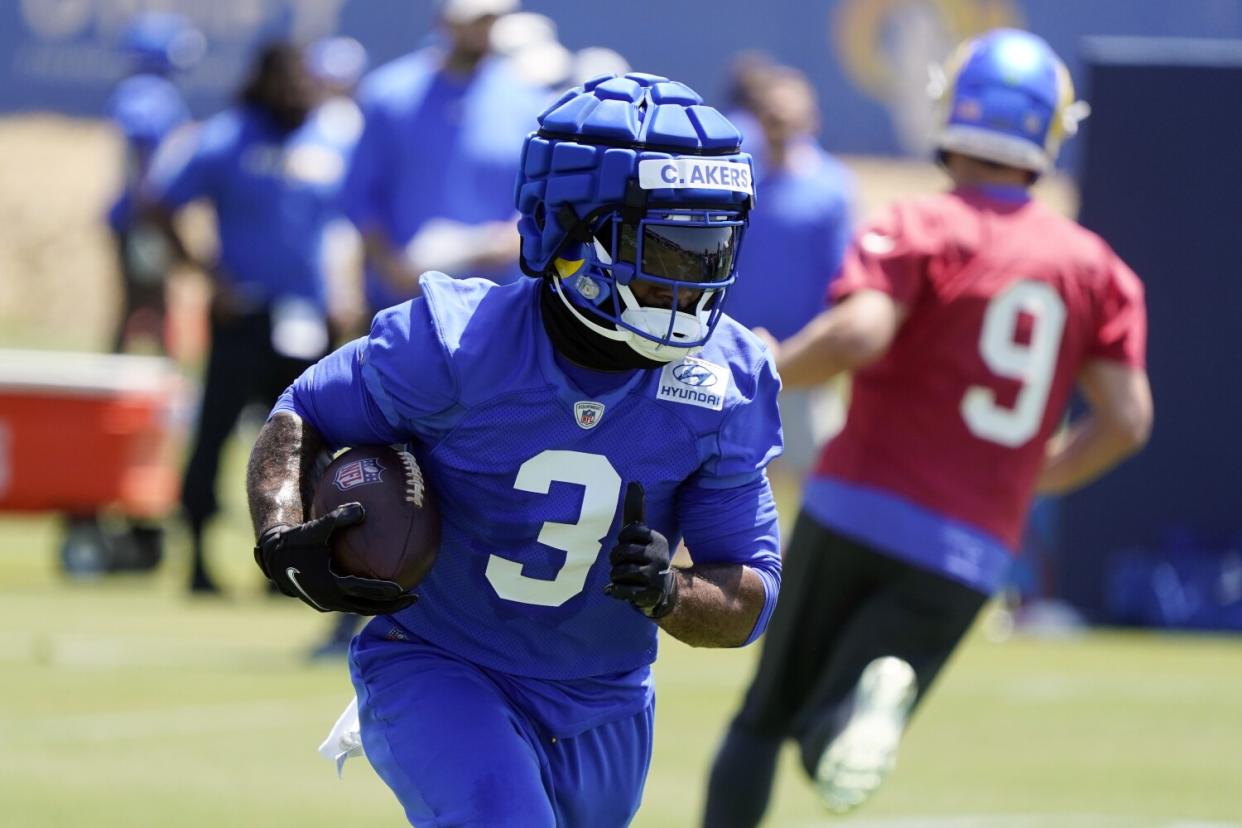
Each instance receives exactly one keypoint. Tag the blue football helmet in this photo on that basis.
(1006, 97)
(163, 42)
(146, 108)
(634, 197)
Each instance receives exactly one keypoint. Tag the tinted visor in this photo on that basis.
(683, 254)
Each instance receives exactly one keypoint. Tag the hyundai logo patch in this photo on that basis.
(694, 382)
(695, 375)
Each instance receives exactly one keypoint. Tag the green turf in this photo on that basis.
(124, 703)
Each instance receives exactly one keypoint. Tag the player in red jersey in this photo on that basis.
(968, 318)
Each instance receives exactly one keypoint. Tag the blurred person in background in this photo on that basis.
(968, 318)
(430, 186)
(272, 172)
(145, 107)
(800, 236)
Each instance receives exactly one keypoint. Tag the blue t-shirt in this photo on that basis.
(274, 194)
(794, 244)
(530, 471)
(436, 145)
(144, 109)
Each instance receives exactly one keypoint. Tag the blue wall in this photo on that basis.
(1167, 200)
(866, 56)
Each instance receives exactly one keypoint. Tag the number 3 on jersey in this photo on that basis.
(1033, 364)
(581, 541)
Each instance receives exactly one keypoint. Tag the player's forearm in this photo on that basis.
(279, 462)
(812, 356)
(1083, 452)
(843, 338)
(717, 606)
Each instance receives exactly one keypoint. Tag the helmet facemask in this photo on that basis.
(656, 279)
(632, 200)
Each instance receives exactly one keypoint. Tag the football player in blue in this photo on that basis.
(576, 426)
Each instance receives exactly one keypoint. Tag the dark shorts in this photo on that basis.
(242, 368)
(842, 605)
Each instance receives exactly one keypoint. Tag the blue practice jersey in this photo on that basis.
(530, 471)
(274, 194)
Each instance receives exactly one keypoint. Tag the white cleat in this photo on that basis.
(854, 764)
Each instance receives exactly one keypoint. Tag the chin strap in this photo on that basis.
(578, 343)
(658, 353)
(607, 333)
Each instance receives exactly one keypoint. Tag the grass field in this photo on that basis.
(124, 703)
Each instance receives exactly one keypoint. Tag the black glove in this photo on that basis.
(641, 570)
(298, 560)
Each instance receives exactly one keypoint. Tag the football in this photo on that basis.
(398, 538)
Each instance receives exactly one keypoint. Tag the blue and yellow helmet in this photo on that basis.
(1006, 97)
(633, 187)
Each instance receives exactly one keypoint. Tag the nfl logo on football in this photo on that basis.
(358, 473)
(588, 414)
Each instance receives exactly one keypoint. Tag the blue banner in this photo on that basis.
(868, 58)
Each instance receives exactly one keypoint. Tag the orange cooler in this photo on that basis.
(81, 433)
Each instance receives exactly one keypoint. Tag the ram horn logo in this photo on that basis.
(588, 414)
(694, 375)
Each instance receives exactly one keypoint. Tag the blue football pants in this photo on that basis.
(457, 751)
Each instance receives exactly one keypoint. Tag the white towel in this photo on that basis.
(345, 738)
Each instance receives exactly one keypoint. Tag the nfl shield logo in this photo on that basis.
(588, 414)
(358, 473)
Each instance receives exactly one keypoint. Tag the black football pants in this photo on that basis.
(242, 368)
(842, 605)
